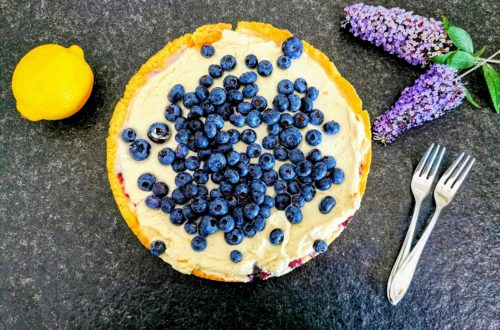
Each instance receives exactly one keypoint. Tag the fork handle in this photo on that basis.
(405, 248)
(404, 274)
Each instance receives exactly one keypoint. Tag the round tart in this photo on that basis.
(218, 209)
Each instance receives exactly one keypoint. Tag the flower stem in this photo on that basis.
(489, 61)
(479, 64)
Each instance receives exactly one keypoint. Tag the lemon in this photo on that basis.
(52, 82)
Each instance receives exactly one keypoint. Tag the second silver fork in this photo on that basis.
(421, 184)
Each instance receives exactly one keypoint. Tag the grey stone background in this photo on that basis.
(67, 259)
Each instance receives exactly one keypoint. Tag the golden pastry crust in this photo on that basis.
(208, 34)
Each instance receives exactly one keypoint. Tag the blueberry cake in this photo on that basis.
(238, 154)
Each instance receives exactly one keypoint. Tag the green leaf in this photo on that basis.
(446, 23)
(460, 38)
(461, 60)
(493, 82)
(480, 52)
(468, 95)
(441, 59)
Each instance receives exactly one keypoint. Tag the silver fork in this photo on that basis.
(444, 192)
(421, 184)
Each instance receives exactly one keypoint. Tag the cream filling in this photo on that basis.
(147, 107)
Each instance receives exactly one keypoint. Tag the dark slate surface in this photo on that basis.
(67, 259)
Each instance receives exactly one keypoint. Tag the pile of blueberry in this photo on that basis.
(241, 204)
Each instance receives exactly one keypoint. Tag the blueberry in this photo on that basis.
(259, 102)
(128, 135)
(181, 150)
(293, 187)
(280, 186)
(241, 190)
(286, 120)
(182, 179)
(215, 193)
(176, 93)
(251, 210)
(172, 112)
(207, 107)
(199, 205)
(231, 82)
(188, 213)
(232, 158)
(300, 120)
(216, 162)
(182, 136)
(290, 138)
(207, 51)
(254, 150)
(320, 246)
(146, 181)
(249, 229)
(228, 62)
(300, 85)
(210, 131)
(179, 165)
(319, 171)
(295, 156)
(308, 192)
(316, 117)
(236, 256)
(178, 196)
(337, 176)
(157, 247)
(222, 137)
(323, 184)
(158, 132)
(215, 71)
(159, 189)
(206, 80)
(195, 125)
(235, 97)
(257, 197)
(287, 172)
(226, 223)
(268, 202)
(294, 102)
(284, 62)
(248, 136)
(201, 140)
(282, 201)
(248, 78)
(276, 236)
(258, 185)
(292, 47)
(217, 96)
(298, 200)
(285, 86)
(280, 153)
(269, 177)
(242, 169)
(176, 217)
(207, 225)
(270, 116)
(190, 99)
(244, 108)
(254, 171)
(305, 179)
(139, 149)
(237, 120)
(232, 176)
(306, 104)
(293, 214)
(180, 123)
(234, 237)
(314, 156)
(190, 228)
(200, 176)
(303, 168)
(266, 161)
(265, 68)
(330, 162)
(251, 61)
(269, 142)
(280, 102)
(273, 129)
(326, 204)
(199, 243)
(166, 156)
(250, 91)
(202, 191)
(218, 207)
(312, 93)
(192, 163)
(153, 202)
(244, 159)
(253, 119)
(331, 127)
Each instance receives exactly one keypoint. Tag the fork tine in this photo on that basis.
(450, 169)
(437, 163)
(457, 171)
(424, 159)
(428, 165)
(463, 175)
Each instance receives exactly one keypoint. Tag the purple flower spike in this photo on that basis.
(411, 37)
(433, 94)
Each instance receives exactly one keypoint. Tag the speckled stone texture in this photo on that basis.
(67, 259)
